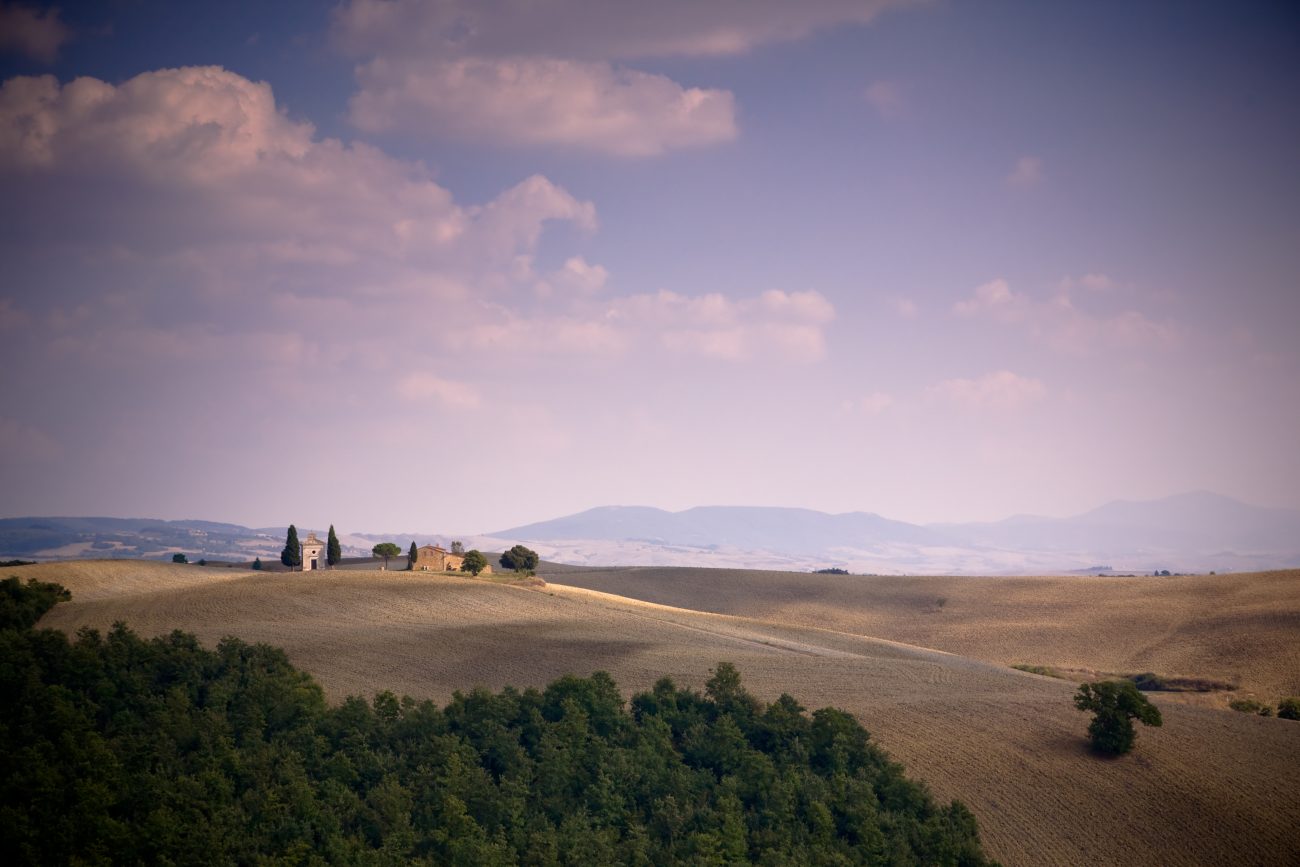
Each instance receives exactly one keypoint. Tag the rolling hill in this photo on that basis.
(1210, 787)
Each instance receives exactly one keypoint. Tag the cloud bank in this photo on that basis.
(219, 199)
(554, 74)
(1064, 326)
(531, 101)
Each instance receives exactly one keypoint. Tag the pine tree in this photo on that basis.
(333, 550)
(291, 556)
(411, 556)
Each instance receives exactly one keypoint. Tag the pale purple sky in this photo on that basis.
(454, 266)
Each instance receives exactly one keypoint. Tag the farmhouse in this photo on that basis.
(435, 558)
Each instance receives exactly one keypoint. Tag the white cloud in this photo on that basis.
(785, 326)
(202, 158)
(421, 387)
(223, 207)
(1000, 390)
(201, 229)
(1060, 324)
(30, 32)
(884, 97)
(993, 295)
(590, 105)
(577, 275)
(588, 29)
(562, 334)
(1027, 172)
(771, 326)
(554, 74)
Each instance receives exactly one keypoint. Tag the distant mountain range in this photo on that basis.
(1189, 532)
(1192, 532)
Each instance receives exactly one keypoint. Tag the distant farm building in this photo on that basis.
(435, 558)
(311, 553)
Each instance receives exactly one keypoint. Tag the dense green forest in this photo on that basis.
(119, 749)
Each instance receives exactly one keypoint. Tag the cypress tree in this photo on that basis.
(411, 556)
(333, 550)
(291, 556)
(257, 564)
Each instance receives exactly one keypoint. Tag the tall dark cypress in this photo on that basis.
(333, 550)
(411, 556)
(291, 556)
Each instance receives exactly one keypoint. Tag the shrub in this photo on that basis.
(1151, 682)
(1249, 705)
(1289, 708)
(1115, 704)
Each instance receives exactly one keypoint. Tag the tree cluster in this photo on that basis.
(160, 751)
(520, 559)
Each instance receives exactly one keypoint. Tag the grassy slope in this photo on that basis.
(1208, 788)
(1241, 628)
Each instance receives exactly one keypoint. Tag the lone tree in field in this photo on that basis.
(1115, 704)
(385, 550)
(333, 550)
(520, 559)
(474, 562)
(257, 564)
(457, 547)
(179, 558)
(411, 556)
(291, 556)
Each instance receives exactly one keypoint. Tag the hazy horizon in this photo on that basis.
(490, 531)
(407, 264)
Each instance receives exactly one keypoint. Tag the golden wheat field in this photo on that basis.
(1242, 629)
(1210, 787)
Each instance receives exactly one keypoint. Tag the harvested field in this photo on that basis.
(1208, 788)
(1242, 629)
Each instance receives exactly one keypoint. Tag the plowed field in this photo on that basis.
(1210, 787)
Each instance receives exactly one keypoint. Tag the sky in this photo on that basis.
(457, 266)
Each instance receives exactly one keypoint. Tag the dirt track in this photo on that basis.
(1210, 787)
